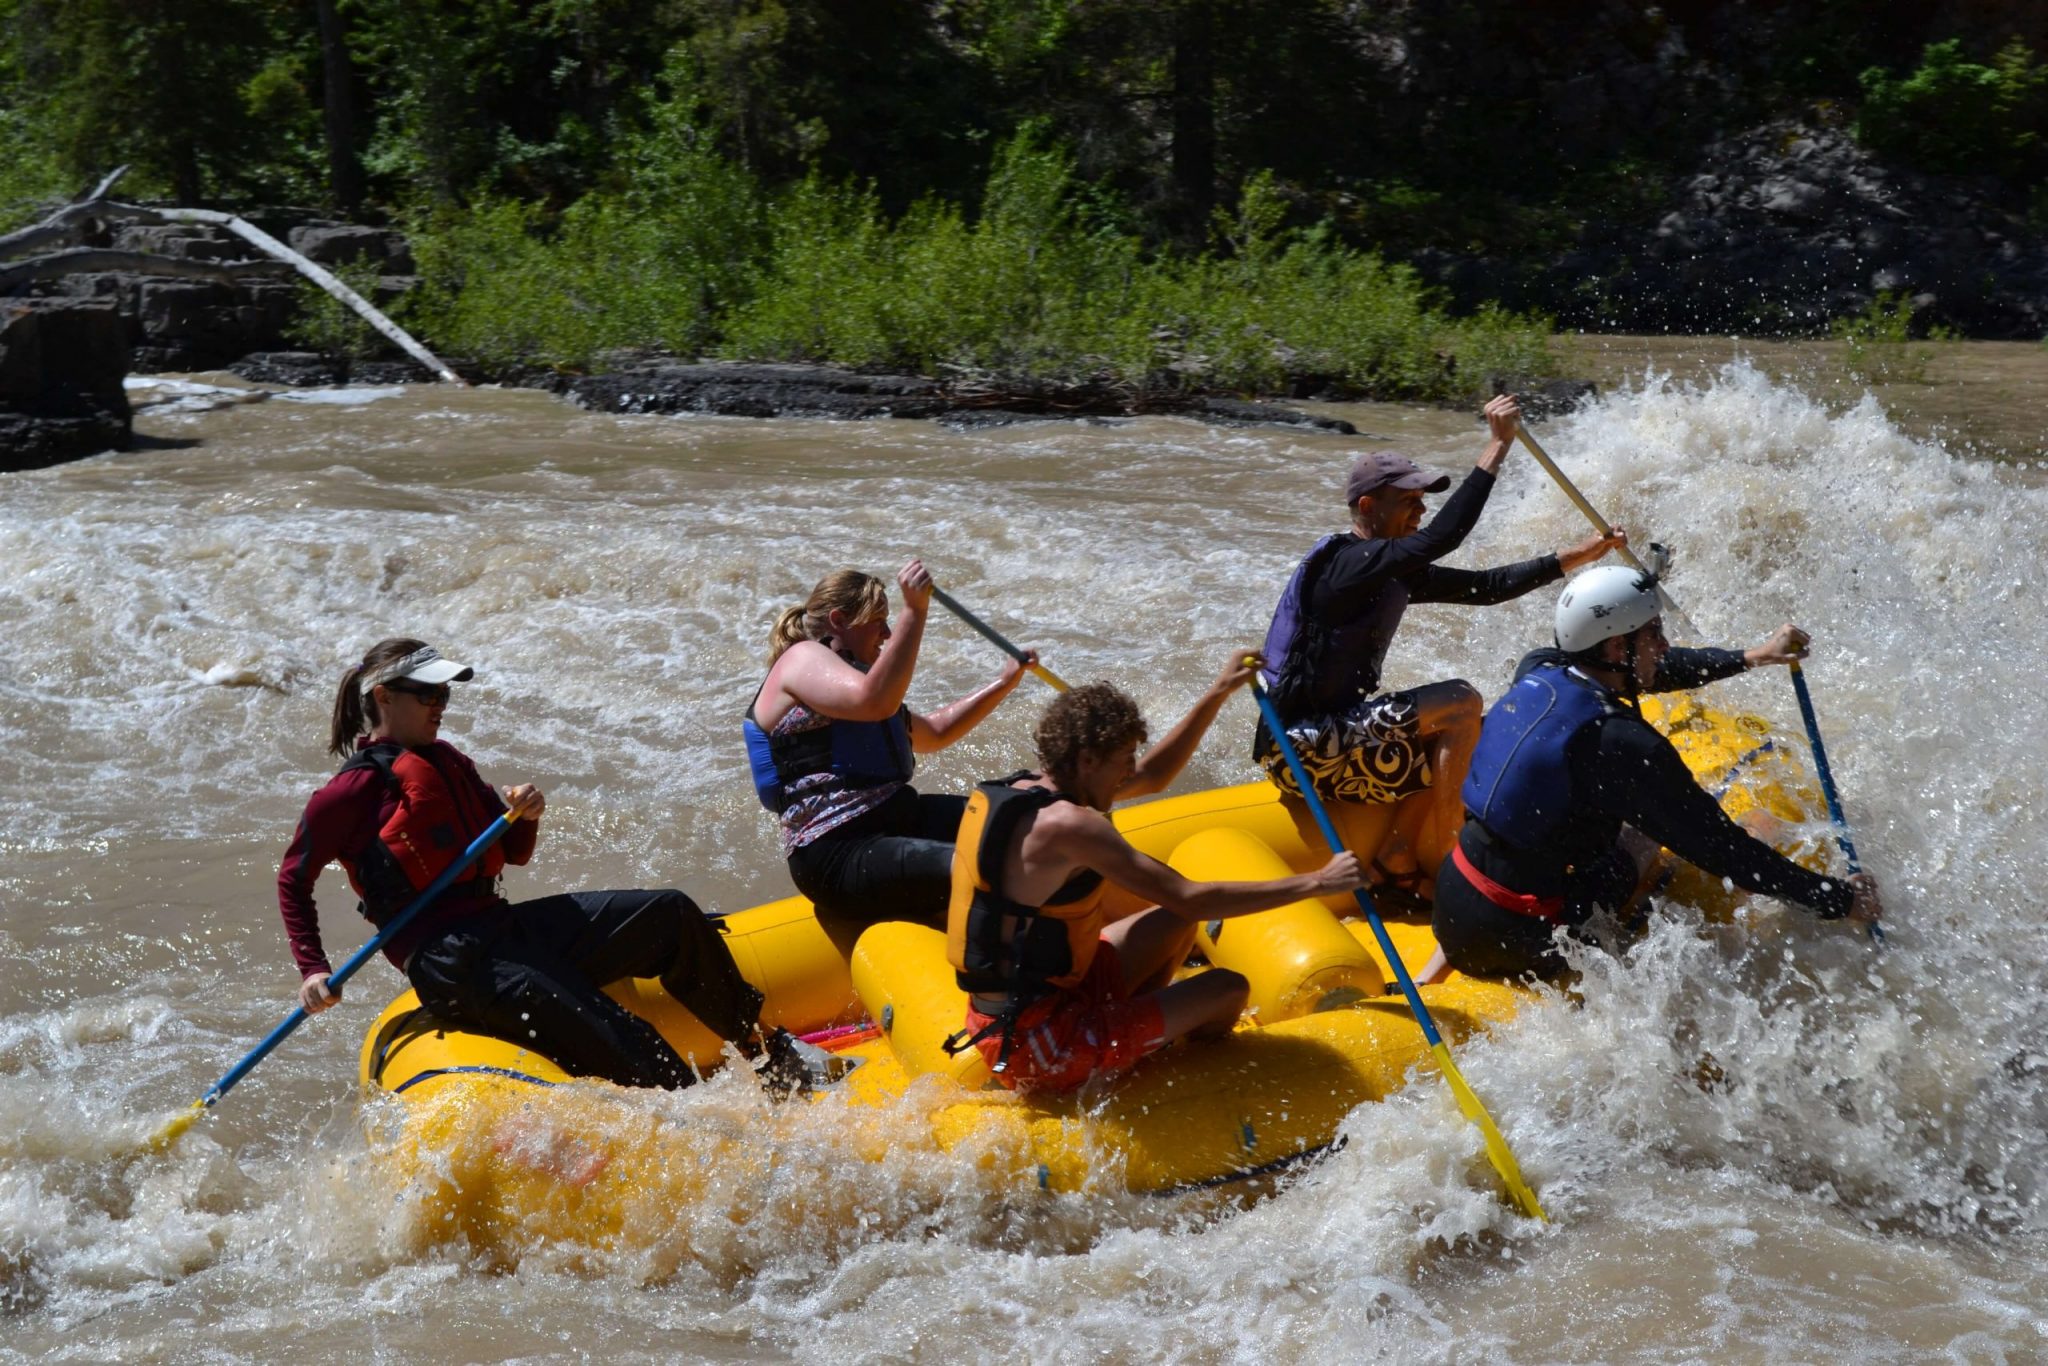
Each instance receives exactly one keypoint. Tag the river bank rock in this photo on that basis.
(743, 389)
(1779, 230)
(177, 324)
(61, 367)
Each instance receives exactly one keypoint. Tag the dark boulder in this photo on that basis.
(292, 369)
(345, 244)
(1233, 412)
(1779, 230)
(749, 390)
(743, 389)
(62, 363)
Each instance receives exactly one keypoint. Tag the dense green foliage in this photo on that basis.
(829, 177)
(1459, 121)
(1037, 282)
(1952, 114)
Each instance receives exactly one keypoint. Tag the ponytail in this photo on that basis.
(860, 597)
(355, 712)
(789, 629)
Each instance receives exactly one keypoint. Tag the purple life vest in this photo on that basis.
(1317, 668)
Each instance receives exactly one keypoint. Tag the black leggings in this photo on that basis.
(894, 863)
(531, 975)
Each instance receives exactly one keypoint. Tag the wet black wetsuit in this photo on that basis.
(1360, 577)
(1622, 773)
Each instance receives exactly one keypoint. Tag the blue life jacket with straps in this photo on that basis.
(857, 753)
(1319, 669)
(1520, 784)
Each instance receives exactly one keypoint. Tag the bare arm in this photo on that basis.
(933, 731)
(1786, 645)
(812, 674)
(1164, 761)
(1088, 838)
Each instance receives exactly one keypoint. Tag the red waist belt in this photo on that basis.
(1536, 907)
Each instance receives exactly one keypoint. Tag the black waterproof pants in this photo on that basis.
(532, 973)
(894, 863)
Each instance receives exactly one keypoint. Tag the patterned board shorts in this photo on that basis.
(1372, 753)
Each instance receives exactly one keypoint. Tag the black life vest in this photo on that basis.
(998, 945)
(438, 815)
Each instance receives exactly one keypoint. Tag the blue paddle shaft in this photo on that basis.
(361, 956)
(1372, 915)
(1820, 765)
(1827, 781)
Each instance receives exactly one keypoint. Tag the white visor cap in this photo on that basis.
(421, 666)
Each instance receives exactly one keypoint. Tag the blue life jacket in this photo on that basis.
(1319, 669)
(857, 753)
(1520, 784)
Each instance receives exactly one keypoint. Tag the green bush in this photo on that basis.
(1958, 116)
(1880, 341)
(31, 181)
(325, 324)
(1042, 282)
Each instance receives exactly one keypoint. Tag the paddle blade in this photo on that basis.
(1497, 1150)
(163, 1138)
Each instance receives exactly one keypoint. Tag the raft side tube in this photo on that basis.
(902, 977)
(1298, 958)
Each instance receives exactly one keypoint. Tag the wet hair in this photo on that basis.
(862, 597)
(355, 712)
(1094, 718)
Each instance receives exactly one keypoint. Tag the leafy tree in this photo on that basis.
(1952, 114)
(156, 84)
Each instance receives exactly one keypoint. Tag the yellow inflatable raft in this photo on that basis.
(1321, 1036)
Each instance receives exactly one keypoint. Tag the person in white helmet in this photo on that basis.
(1570, 792)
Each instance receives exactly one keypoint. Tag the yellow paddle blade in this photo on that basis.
(1496, 1147)
(163, 1138)
(1050, 678)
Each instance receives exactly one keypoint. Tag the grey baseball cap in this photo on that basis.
(1376, 470)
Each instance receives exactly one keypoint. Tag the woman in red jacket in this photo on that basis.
(404, 806)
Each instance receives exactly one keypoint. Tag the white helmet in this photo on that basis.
(1603, 603)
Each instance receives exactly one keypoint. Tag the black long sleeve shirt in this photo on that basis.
(1624, 772)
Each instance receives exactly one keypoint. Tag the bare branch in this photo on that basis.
(249, 232)
(106, 185)
(66, 224)
(59, 263)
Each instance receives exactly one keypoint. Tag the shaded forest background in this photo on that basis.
(1016, 183)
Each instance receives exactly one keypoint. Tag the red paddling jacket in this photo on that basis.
(394, 818)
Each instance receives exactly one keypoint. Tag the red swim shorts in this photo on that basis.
(1063, 1039)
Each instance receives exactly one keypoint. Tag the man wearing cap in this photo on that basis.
(1401, 755)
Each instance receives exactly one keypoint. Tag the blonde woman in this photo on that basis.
(831, 745)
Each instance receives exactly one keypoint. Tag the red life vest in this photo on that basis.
(438, 815)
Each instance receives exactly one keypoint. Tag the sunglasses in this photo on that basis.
(434, 695)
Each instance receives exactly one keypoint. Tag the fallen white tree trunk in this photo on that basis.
(262, 240)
